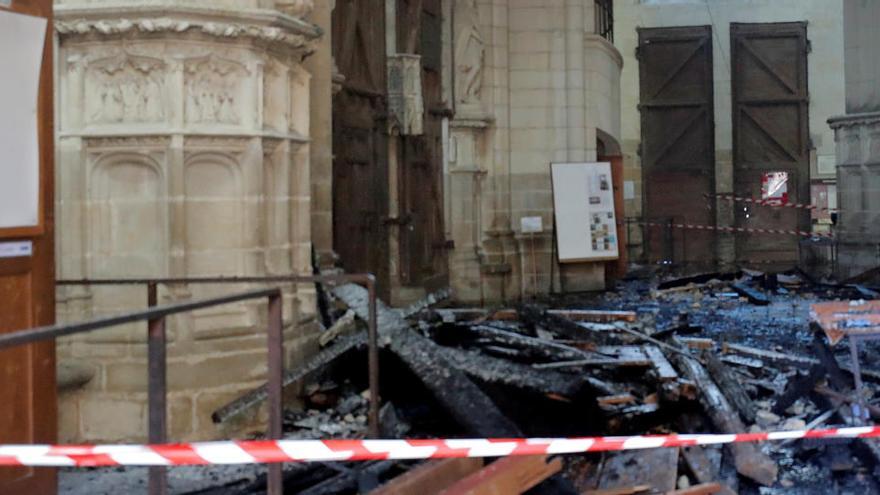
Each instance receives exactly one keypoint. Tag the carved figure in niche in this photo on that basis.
(125, 89)
(470, 52)
(211, 89)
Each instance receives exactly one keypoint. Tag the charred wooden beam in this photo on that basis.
(797, 387)
(826, 357)
(748, 458)
(557, 325)
(462, 399)
(537, 347)
(731, 386)
(349, 479)
(751, 294)
(486, 369)
(792, 360)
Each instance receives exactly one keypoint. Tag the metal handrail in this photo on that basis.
(23, 337)
(155, 316)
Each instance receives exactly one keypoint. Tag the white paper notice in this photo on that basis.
(21, 54)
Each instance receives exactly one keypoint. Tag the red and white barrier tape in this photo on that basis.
(800, 233)
(773, 203)
(261, 452)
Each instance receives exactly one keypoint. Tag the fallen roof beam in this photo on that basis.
(748, 458)
(463, 400)
(249, 403)
(487, 369)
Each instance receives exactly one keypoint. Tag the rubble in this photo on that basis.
(677, 357)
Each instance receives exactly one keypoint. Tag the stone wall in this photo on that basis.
(548, 87)
(825, 80)
(183, 151)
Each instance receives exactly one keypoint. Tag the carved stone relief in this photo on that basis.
(214, 90)
(125, 88)
(470, 53)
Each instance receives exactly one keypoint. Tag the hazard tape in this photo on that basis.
(735, 230)
(263, 452)
(773, 203)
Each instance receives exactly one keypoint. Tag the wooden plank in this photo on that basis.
(702, 489)
(665, 371)
(697, 343)
(614, 400)
(431, 477)
(507, 476)
(657, 468)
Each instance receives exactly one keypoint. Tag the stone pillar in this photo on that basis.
(184, 136)
(320, 66)
(858, 187)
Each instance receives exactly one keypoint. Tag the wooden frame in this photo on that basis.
(45, 129)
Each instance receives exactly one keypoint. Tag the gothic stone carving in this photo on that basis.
(213, 90)
(470, 52)
(405, 93)
(125, 88)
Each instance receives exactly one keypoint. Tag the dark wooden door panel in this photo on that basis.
(678, 142)
(360, 171)
(770, 133)
(422, 239)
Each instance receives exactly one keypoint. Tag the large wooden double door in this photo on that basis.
(362, 178)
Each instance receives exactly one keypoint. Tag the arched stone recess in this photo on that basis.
(215, 224)
(217, 219)
(127, 232)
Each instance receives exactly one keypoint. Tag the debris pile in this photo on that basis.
(679, 356)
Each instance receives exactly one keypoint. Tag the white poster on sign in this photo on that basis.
(21, 55)
(583, 201)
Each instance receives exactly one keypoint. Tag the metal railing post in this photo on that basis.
(275, 481)
(157, 392)
(373, 360)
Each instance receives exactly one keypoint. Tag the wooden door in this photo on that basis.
(770, 134)
(27, 299)
(678, 142)
(422, 238)
(360, 146)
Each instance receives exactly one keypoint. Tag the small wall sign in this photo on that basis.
(17, 249)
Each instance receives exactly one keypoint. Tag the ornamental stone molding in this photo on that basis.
(282, 27)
